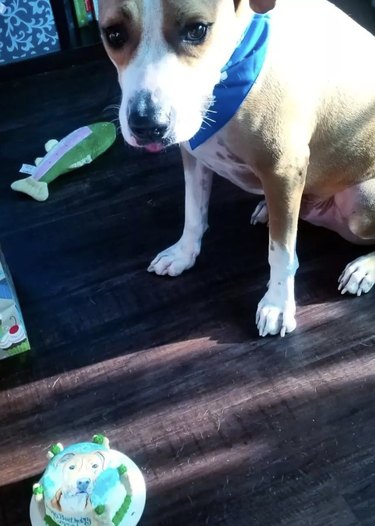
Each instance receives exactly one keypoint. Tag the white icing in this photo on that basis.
(68, 520)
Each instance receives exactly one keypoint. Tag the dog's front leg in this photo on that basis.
(182, 255)
(283, 191)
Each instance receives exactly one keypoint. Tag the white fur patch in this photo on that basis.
(139, 74)
(157, 70)
(276, 311)
(359, 276)
(215, 155)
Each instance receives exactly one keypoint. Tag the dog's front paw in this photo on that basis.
(274, 318)
(359, 276)
(174, 260)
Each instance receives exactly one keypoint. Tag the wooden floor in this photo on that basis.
(229, 429)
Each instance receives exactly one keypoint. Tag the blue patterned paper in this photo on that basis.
(27, 29)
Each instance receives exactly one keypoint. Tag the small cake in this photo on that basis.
(88, 484)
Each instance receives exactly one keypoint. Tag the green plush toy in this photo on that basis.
(76, 149)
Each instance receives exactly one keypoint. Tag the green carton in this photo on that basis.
(13, 337)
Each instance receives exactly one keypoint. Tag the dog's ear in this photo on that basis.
(56, 500)
(262, 6)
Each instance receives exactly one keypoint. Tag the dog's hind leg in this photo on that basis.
(350, 213)
(357, 205)
(359, 276)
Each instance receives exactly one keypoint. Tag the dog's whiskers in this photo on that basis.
(206, 110)
(209, 119)
(116, 122)
(112, 107)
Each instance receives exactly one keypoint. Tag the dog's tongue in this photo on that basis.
(154, 148)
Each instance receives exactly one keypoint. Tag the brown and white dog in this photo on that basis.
(304, 136)
(79, 473)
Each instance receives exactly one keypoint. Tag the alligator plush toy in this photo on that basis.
(75, 150)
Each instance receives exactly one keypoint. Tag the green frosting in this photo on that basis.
(121, 512)
(118, 518)
(100, 510)
(98, 439)
(55, 449)
(38, 490)
(49, 521)
(122, 470)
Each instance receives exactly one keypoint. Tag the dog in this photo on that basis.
(303, 135)
(79, 473)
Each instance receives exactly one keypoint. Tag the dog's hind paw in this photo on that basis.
(272, 319)
(359, 276)
(174, 260)
(260, 214)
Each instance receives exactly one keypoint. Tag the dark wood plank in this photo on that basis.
(229, 429)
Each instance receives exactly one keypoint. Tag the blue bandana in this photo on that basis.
(238, 77)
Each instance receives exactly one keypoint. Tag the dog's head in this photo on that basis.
(169, 55)
(79, 472)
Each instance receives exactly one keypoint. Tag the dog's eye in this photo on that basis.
(72, 467)
(195, 33)
(95, 466)
(116, 37)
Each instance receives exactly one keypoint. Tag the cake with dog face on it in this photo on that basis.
(88, 484)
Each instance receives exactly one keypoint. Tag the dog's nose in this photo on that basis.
(146, 119)
(147, 129)
(83, 484)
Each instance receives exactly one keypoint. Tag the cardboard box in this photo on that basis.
(13, 337)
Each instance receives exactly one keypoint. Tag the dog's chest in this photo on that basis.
(215, 154)
(74, 503)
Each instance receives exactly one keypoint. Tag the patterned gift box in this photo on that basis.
(27, 29)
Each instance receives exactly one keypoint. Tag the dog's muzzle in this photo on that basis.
(83, 484)
(147, 121)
